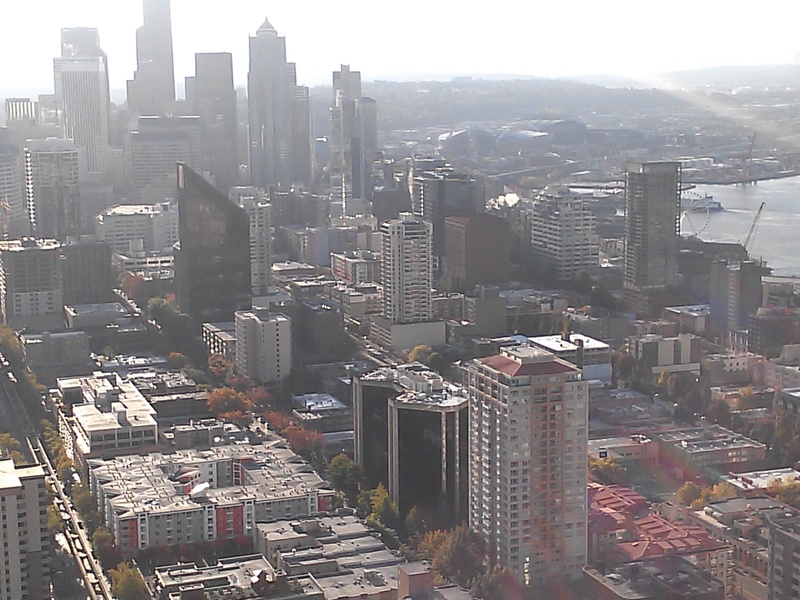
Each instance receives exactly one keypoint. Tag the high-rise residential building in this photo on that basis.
(212, 258)
(26, 548)
(259, 211)
(407, 269)
(53, 188)
(145, 227)
(303, 137)
(528, 431)
(652, 231)
(734, 294)
(31, 285)
(263, 345)
(82, 94)
(152, 89)
(87, 274)
(214, 99)
(563, 236)
(784, 566)
(275, 105)
(353, 141)
(441, 192)
(155, 146)
(15, 222)
(477, 251)
(411, 434)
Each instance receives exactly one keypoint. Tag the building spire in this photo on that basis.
(266, 27)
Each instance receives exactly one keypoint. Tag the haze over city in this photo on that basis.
(418, 40)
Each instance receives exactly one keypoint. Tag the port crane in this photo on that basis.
(748, 239)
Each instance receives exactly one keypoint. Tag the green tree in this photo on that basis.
(345, 475)
(456, 556)
(414, 523)
(128, 583)
(607, 471)
(55, 523)
(719, 412)
(103, 544)
(689, 493)
(383, 509)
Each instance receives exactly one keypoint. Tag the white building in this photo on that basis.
(563, 235)
(52, 188)
(82, 94)
(25, 551)
(592, 356)
(143, 227)
(263, 345)
(407, 271)
(254, 201)
(528, 437)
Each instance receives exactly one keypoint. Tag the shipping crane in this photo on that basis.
(748, 239)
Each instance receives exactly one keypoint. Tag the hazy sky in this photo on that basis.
(412, 39)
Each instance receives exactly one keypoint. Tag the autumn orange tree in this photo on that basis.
(226, 400)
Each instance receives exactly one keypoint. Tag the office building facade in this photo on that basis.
(152, 89)
(212, 258)
(259, 211)
(477, 251)
(528, 437)
(82, 94)
(15, 221)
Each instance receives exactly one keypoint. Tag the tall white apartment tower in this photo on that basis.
(52, 188)
(254, 201)
(563, 234)
(82, 93)
(263, 345)
(407, 269)
(528, 430)
(25, 552)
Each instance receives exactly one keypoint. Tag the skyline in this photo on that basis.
(603, 41)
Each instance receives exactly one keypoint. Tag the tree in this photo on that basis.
(786, 491)
(219, 366)
(103, 544)
(719, 412)
(414, 524)
(227, 400)
(420, 354)
(241, 383)
(176, 360)
(607, 471)
(456, 556)
(260, 398)
(277, 421)
(345, 475)
(128, 583)
(304, 442)
(689, 493)
(55, 523)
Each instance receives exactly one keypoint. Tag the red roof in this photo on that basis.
(658, 537)
(513, 368)
(615, 497)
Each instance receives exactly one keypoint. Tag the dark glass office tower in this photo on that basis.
(212, 258)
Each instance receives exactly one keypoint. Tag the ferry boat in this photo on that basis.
(694, 202)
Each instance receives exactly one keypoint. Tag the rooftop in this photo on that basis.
(522, 361)
(557, 343)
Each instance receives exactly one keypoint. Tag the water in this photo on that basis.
(777, 236)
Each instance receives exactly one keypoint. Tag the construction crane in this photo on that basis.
(752, 230)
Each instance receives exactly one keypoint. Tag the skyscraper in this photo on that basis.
(25, 552)
(528, 431)
(353, 142)
(212, 258)
(563, 236)
(51, 168)
(441, 192)
(407, 270)
(15, 221)
(263, 345)
(271, 84)
(82, 93)
(652, 226)
(215, 100)
(152, 88)
(253, 200)
(155, 146)
(31, 284)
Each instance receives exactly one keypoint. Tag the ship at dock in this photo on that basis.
(694, 202)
